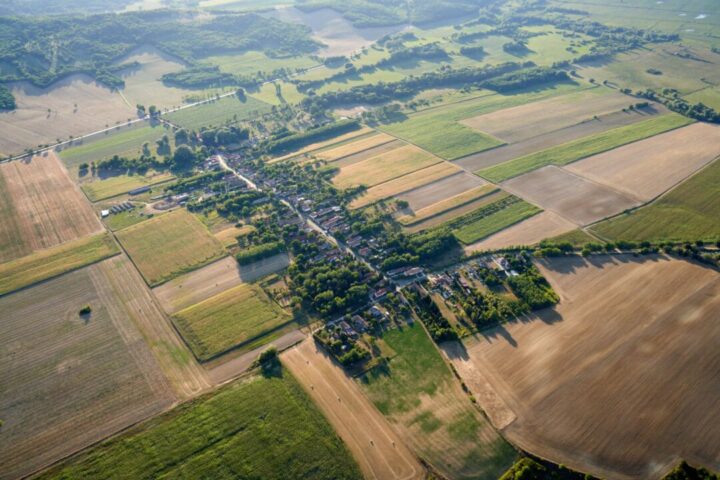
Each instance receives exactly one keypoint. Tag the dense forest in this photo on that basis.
(7, 100)
(45, 49)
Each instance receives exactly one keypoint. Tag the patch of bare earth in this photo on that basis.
(67, 380)
(650, 167)
(373, 443)
(441, 190)
(529, 232)
(620, 379)
(45, 209)
(571, 196)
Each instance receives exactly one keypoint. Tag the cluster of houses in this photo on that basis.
(456, 278)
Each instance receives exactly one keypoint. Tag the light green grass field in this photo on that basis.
(419, 394)
(118, 221)
(55, 261)
(438, 131)
(577, 238)
(687, 213)
(229, 319)
(268, 93)
(482, 227)
(259, 427)
(250, 63)
(114, 186)
(219, 112)
(169, 245)
(584, 147)
(125, 142)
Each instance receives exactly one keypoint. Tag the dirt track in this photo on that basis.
(375, 446)
(47, 208)
(621, 380)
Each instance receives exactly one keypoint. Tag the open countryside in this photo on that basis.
(377, 239)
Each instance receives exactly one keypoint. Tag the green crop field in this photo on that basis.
(419, 393)
(438, 131)
(218, 112)
(258, 427)
(576, 238)
(229, 319)
(584, 147)
(55, 261)
(687, 213)
(125, 142)
(169, 245)
(250, 63)
(114, 186)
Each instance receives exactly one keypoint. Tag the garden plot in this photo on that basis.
(648, 168)
(573, 197)
(619, 380)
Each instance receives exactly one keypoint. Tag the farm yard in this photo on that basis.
(602, 396)
(213, 279)
(229, 320)
(573, 197)
(686, 213)
(226, 110)
(167, 246)
(74, 106)
(417, 392)
(378, 450)
(41, 207)
(93, 372)
(260, 426)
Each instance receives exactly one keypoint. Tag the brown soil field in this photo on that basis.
(620, 380)
(44, 207)
(405, 183)
(358, 146)
(69, 381)
(575, 198)
(529, 232)
(206, 282)
(369, 153)
(373, 443)
(650, 167)
(430, 194)
(603, 123)
(530, 120)
(31, 124)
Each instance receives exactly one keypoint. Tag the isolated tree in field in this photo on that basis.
(153, 110)
(146, 148)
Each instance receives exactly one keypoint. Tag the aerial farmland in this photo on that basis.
(377, 239)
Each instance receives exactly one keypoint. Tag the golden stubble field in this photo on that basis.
(41, 207)
(620, 380)
(68, 381)
(373, 443)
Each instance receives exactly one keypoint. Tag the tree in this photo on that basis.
(153, 110)
(184, 158)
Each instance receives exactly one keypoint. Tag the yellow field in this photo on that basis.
(355, 147)
(383, 168)
(447, 204)
(169, 245)
(405, 183)
(54, 261)
(228, 237)
(326, 143)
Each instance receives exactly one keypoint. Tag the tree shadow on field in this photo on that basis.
(573, 264)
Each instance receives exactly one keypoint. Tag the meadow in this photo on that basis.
(216, 113)
(417, 391)
(258, 427)
(578, 149)
(228, 320)
(55, 261)
(687, 213)
(169, 245)
(252, 62)
(113, 186)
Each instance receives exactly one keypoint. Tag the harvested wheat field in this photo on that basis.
(369, 153)
(528, 232)
(650, 167)
(620, 380)
(602, 123)
(571, 196)
(443, 189)
(170, 245)
(70, 380)
(214, 279)
(362, 132)
(375, 446)
(358, 146)
(408, 182)
(75, 105)
(410, 217)
(385, 167)
(532, 119)
(456, 212)
(41, 207)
